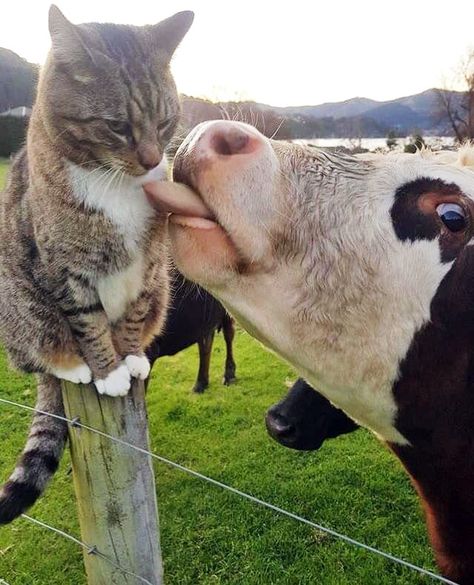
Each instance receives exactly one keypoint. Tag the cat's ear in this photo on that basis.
(170, 32)
(68, 44)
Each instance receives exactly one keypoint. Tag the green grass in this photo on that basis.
(209, 536)
(3, 171)
(353, 485)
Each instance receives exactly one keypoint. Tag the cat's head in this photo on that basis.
(107, 95)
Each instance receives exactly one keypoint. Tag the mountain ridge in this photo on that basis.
(355, 117)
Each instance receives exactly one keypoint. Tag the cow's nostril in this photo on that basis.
(232, 141)
(278, 425)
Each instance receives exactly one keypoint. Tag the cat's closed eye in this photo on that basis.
(120, 127)
(170, 122)
(167, 127)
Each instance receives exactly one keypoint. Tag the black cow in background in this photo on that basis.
(304, 419)
(194, 316)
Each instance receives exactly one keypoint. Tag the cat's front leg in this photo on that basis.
(89, 323)
(91, 327)
(128, 337)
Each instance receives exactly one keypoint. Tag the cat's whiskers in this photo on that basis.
(98, 180)
(115, 172)
(90, 162)
(99, 170)
(94, 170)
(121, 178)
(105, 177)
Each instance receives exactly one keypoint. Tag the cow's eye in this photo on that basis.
(453, 216)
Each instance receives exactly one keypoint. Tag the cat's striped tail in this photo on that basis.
(41, 455)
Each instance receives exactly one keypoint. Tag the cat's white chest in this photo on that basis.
(117, 291)
(124, 203)
(120, 198)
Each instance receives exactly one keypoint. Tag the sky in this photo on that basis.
(282, 53)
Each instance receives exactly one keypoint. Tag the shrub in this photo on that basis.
(12, 134)
(416, 143)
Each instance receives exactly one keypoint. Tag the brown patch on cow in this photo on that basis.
(435, 399)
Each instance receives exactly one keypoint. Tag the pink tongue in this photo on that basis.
(193, 222)
(176, 198)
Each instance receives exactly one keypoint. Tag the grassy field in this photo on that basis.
(353, 485)
(3, 171)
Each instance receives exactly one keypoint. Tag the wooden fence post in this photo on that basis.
(114, 486)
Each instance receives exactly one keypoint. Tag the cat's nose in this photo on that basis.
(149, 156)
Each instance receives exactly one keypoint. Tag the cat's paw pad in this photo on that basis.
(138, 366)
(117, 383)
(80, 374)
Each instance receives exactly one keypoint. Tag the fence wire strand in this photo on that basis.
(76, 423)
(91, 550)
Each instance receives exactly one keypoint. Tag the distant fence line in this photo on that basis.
(92, 549)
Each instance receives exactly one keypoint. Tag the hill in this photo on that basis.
(355, 117)
(17, 80)
(351, 118)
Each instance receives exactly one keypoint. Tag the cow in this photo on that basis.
(359, 273)
(193, 317)
(304, 419)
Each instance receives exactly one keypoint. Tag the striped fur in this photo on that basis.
(41, 455)
(83, 259)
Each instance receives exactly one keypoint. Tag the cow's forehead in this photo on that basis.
(364, 296)
(328, 190)
(397, 167)
(395, 170)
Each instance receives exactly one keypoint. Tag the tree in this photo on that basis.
(391, 140)
(457, 108)
(17, 81)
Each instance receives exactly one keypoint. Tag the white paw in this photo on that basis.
(80, 374)
(138, 366)
(117, 383)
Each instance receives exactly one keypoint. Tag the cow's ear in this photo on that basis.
(428, 209)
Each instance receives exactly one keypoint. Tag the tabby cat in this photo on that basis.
(83, 261)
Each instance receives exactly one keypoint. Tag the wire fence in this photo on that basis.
(92, 549)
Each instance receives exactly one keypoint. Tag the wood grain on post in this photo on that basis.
(115, 486)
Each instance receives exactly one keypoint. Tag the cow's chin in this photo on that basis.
(204, 254)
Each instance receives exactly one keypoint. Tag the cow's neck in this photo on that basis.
(435, 400)
(445, 488)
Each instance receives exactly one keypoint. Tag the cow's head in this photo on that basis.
(304, 419)
(330, 260)
(361, 274)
